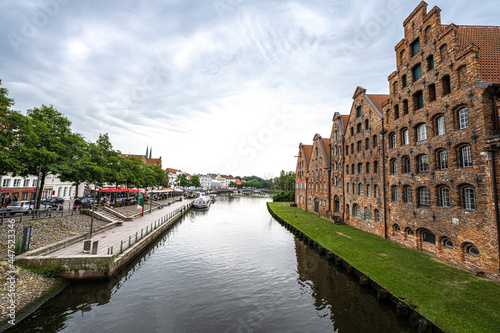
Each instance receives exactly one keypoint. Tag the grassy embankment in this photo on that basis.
(452, 298)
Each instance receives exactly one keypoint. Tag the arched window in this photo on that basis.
(353, 188)
(394, 193)
(429, 237)
(392, 140)
(348, 189)
(375, 141)
(367, 124)
(406, 164)
(442, 160)
(360, 168)
(465, 156)
(471, 249)
(463, 118)
(377, 216)
(421, 132)
(347, 169)
(396, 228)
(423, 163)
(424, 196)
(407, 194)
(469, 198)
(357, 212)
(367, 214)
(394, 166)
(368, 190)
(396, 111)
(336, 203)
(367, 167)
(444, 197)
(447, 243)
(376, 191)
(440, 129)
(375, 167)
(405, 137)
(410, 232)
(367, 143)
(405, 106)
(361, 189)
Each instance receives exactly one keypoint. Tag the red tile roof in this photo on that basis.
(344, 121)
(307, 153)
(378, 99)
(487, 38)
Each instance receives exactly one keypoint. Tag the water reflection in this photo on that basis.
(231, 268)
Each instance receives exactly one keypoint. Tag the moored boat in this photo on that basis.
(202, 202)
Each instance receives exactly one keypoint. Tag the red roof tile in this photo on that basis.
(487, 38)
(378, 99)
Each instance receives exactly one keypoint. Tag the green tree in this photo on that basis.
(37, 144)
(182, 180)
(195, 181)
(232, 184)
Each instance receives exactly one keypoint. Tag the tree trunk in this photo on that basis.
(43, 173)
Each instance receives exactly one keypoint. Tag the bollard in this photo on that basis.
(94, 247)
(121, 246)
(111, 250)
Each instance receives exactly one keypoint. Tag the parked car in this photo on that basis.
(57, 200)
(26, 207)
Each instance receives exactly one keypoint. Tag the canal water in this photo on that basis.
(231, 268)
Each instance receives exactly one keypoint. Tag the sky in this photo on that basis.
(213, 86)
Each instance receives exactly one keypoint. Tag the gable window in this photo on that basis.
(375, 167)
(367, 143)
(462, 76)
(440, 125)
(465, 157)
(403, 81)
(430, 62)
(418, 100)
(443, 52)
(360, 146)
(358, 111)
(432, 92)
(442, 159)
(446, 84)
(367, 124)
(463, 118)
(421, 133)
(406, 165)
(415, 47)
(396, 111)
(469, 198)
(347, 150)
(424, 196)
(417, 72)
(367, 167)
(359, 128)
(392, 140)
(375, 141)
(444, 197)
(423, 163)
(406, 137)
(405, 106)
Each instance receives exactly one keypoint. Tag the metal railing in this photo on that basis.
(138, 235)
(36, 214)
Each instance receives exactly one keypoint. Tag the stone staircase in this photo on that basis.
(108, 217)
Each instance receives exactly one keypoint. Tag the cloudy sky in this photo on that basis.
(222, 86)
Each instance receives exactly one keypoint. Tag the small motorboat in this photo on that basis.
(202, 202)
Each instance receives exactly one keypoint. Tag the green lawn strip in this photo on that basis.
(452, 298)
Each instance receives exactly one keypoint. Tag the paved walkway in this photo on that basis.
(114, 236)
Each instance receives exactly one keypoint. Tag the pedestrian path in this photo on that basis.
(113, 236)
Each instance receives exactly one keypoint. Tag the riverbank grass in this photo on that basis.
(452, 298)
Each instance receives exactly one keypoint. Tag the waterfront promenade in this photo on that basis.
(117, 245)
(112, 237)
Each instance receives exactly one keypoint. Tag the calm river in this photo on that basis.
(231, 268)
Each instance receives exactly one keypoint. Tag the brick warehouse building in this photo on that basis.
(437, 136)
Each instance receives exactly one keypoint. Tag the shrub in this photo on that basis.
(284, 196)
